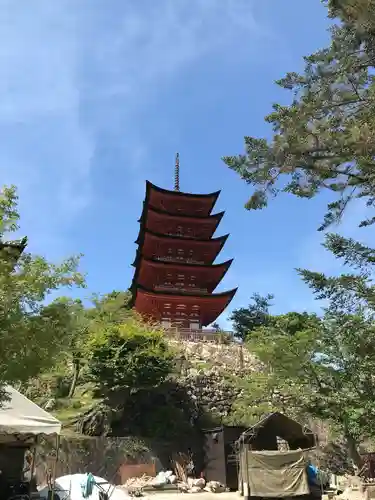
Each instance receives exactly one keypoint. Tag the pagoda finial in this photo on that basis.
(177, 173)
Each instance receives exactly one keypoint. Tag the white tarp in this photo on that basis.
(21, 416)
(70, 488)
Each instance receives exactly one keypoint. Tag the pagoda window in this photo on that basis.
(194, 324)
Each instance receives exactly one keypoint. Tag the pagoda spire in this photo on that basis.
(177, 173)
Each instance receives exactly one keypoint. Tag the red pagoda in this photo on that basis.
(175, 275)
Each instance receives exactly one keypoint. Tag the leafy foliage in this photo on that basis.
(325, 139)
(246, 319)
(33, 333)
(324, 371)
(130, 355)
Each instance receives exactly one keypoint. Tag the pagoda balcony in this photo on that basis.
(179, 260)
(199, 335)
(180, 289)
(182, 235)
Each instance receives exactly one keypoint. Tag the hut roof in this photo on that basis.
(279, 425)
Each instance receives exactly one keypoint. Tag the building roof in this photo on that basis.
(217, 271)
(151, 186)
(197, 218)
(212, 304)
(156, 196)
(276, 425)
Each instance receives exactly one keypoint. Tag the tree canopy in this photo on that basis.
(325, 139)
(32, 331)
(131, 355)
(246, 319)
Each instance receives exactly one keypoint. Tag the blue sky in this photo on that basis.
(98, 95)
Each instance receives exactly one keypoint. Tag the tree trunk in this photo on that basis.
(76, 370)
(352, 447)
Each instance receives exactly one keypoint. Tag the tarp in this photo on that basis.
(275, 474)
(70, 488)
(20, 416)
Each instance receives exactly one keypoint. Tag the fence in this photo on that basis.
(213, 336)
(115, 459)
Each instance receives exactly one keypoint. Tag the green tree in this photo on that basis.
(32, 332)
(112, 307)
(325, 139)
(131, 355)
(246, 319)
(324, 367)
(324, 371)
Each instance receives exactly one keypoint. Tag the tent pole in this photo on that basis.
(32, 468)
(54, 466)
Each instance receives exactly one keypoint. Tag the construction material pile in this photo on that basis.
(180, 479)
(135, 486)
(198, 485)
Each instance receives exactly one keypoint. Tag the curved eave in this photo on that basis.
(150, 185)
(228, 295)
(211, 296)
(158, 263)
(224, 265)
(146, 210)
(16, 246)
(140, 241)
(200, 218)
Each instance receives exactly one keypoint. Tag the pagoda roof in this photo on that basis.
(150, 186)
(211, 305)
(218, 270)
(154, 193)
(198, 218)
(16, 247)
(150, 213)
(147, 237)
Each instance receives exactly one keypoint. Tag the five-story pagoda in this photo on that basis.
(175, 275)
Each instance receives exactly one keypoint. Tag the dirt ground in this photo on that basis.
(203, 495)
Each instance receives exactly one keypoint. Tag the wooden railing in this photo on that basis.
(209, 335)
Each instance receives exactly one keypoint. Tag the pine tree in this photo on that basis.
(325, 139)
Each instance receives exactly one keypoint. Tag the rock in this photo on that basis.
(215, 487)
(195, 489)
(183, 487)
(160, 480)
(200, 483)
(50, 405)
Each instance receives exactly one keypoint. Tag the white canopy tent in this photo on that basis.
(21, 417)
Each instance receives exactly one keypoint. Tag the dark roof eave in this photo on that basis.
(230, 294)
(150, 185)
(147, 208)
(225, 264)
